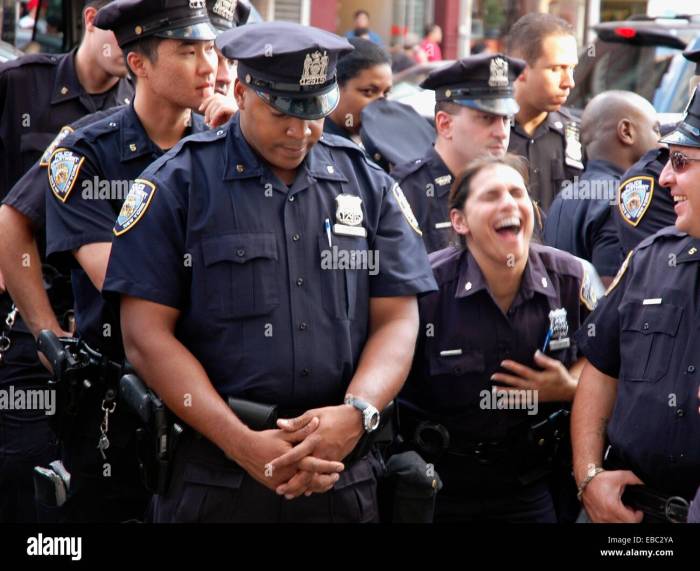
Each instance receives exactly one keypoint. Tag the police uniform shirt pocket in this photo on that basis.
(456, 377)
(648, 333)
(241, 273)
(209, 494)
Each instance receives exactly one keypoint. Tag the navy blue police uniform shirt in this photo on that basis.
(644, 333)
(580, 218)
(554, 152)
(426, 183)
(89, 175)
(464, 336)
(247, 261)
(39, 94)
(643, 206)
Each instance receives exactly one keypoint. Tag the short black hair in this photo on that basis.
(360, 13)
(365, 55)
(429, 29)
(147, 47)
(528, 34)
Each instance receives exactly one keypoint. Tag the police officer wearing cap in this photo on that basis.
(170, 51)
(642, 206)
(641, 384)
(281, 303)
(63, 88)
(495, 362)
(544, 132)
(473, 110)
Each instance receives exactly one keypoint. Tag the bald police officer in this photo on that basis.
(262, 285)
(544, 132)
(641, 385)
(474, 106)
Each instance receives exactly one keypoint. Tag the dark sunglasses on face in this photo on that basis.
(680, 161)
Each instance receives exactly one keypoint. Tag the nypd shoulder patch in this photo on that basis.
(586, 294)
(63, 133)
(634, 197)
(63, 169)
(135, 205)
(620, 273)
(405, 208)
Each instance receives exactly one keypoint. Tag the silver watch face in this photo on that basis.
(371, 419)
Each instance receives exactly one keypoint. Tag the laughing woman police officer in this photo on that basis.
(495, 356)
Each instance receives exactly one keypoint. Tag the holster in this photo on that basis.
(657, 507)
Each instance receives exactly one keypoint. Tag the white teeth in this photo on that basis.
(680, 198)
(510, 221)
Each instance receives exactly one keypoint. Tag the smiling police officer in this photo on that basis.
(282, 269)
(641, 384)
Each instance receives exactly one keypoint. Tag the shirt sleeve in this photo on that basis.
(28, 195)
(605, 244)
(599, 336)
(149, 258)
(74, 215)
(404, 268)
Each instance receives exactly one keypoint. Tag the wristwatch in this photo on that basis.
(591, 473)
(370, 415)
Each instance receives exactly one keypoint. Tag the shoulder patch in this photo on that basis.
(586, 294)
(63, 169)
(63, 133)
(573, 149)
(634, 197)
(620, 273)
(136, 203)
(405, 208)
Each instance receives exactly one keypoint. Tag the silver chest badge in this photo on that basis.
(349, 217)
(315, 66)
(559, 328)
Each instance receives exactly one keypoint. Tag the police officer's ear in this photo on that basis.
(459, 222)
(239, 93)
(89, 14)
(443, 124)
(136, 62)
(625, 131)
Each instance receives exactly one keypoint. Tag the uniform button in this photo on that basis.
(305, 372)
(303, 326)
(291, 198)
(240, 252)
(536, 171)
(680, 413)
(300, 282)
(296, 237)
(645, 326)
(691, 369)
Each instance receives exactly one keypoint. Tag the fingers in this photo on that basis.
(296, 454)
(321, 483)
(511, 380)
(294, 424)
(298, 484)
(303, 432)
(320, 465)
(546, 362)
(520, 370)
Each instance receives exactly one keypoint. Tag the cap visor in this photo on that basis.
(506, 106)
(203, 31)
(309, 107)
(682, 138)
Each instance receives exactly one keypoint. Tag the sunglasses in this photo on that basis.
(680, 162)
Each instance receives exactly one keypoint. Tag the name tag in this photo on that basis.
(441, 225)
(652, 301)
(451, 353)
(343, 230)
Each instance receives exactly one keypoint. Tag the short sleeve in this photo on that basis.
(28, 195)
(404, 268)
(149, 258)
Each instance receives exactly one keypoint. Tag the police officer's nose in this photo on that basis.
(298, 129)
(567, 79)
(668, 175)
(501, 128)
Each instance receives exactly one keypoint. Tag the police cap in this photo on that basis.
(687, 132)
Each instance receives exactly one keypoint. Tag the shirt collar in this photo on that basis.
(66, 85)
(600, 166)
(535, 278)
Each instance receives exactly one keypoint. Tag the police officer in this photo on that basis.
(640, 386)
(544, 132)
(169, 49)
(642, 207)
(261, 284)
(63, 88)
(474, 106)
(617, 127)
(495, 356)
